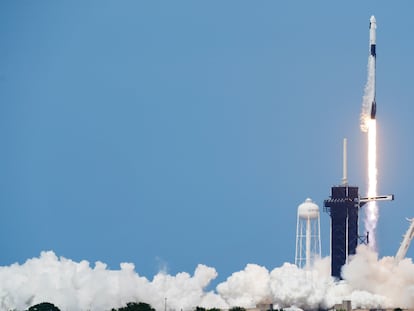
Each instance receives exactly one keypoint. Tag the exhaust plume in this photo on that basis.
(369, 126)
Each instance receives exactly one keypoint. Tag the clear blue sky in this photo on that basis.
(182, 132)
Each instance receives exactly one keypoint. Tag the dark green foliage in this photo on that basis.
(134, 306)
(237, 309)
(204, 309)
(44, 306)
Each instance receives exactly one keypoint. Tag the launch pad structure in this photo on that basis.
(344, 225)
(343, 206)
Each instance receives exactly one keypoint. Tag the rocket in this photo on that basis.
(373, 53)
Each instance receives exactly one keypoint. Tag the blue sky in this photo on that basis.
(174, 133)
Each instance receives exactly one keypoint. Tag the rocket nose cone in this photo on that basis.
(372, 19)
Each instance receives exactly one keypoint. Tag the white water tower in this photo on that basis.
(308, 238)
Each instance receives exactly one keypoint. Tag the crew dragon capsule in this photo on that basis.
(373, 54)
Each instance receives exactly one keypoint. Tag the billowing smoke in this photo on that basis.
(78, 286)
(369, 282)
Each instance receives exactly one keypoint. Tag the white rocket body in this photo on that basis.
(373, 53)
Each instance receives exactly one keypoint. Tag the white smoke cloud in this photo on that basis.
(385, 277)
(78, 286)
(302, 288)
(247, 288)
(369, 282)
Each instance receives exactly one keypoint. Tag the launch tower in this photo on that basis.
(343, 206)
(343, 209)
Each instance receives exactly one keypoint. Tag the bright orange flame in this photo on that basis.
(371, 211)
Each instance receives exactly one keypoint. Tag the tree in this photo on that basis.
(44, 306)
(136, 306)
(237, 309)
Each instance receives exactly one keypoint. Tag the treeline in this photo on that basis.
(130, 306)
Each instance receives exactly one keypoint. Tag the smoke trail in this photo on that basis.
(369, 126)
(369, 282)
(369, 94)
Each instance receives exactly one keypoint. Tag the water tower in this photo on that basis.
(308, 238)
